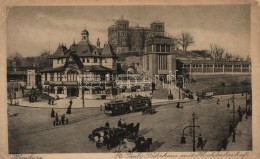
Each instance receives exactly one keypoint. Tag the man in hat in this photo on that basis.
(200, 142)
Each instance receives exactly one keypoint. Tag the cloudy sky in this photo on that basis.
(29, 29)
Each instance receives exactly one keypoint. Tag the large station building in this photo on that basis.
(82, 68)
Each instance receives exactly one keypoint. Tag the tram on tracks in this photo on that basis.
(119, 107)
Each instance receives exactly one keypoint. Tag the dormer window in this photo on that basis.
(87, 60)
(83, 60)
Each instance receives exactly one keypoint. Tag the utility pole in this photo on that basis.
(246, 104)
(246, 99)
(234, 119)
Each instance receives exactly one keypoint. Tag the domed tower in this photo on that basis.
(85, 35)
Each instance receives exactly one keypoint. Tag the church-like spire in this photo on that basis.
(85, 34)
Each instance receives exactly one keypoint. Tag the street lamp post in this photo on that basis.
(83, 90)
(183, 140)
(175, 78)
(193, 140)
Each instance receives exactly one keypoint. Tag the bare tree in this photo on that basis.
(228, 56)
(217, 52)
(185, 40)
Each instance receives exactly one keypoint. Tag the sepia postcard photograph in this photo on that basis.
(129, 81)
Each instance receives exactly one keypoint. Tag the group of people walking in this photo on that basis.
(59, 120)
(63, 119)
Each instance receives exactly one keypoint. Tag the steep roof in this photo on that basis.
(60, 51)
(50, 69)
(74, 59)
(107, 51)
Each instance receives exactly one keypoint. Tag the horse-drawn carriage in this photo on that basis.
(117, 137)
(204, 94)
(118, 107)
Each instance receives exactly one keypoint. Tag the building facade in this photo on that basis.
(159, 58)
(81, 69)
(124, 38)
(207, 67)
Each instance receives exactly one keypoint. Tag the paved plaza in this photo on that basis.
(31, 130)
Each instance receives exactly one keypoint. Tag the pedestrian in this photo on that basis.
(71, 102)
(52, 113)
(230, 128)
(119, 123)
(63, 119)
(200, 142)
(35, 98)
(124, 123)
(218, 101)
(67, 120)
(30, 98)
(57, 119)
(49, 101)
(107, 124)
(52, 101)
(198, 99)
(69, 110)
(23, 91)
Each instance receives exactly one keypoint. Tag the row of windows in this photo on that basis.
(95, 60)
(122, 26)
(136, 34)
(219, 66)
(162, 48)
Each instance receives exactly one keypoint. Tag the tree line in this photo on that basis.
(41, 61)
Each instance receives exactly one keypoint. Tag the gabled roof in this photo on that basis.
(74, 59)
(61, 51)
(107, 51)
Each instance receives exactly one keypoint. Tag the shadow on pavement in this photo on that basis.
(155, 145)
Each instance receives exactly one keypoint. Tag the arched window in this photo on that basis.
(72, 75)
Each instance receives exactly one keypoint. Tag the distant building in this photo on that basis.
(83, 64)
(206, 67)
(124, 38)
(27, 77)
(162, 59)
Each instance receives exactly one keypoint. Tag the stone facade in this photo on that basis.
(124, 38)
